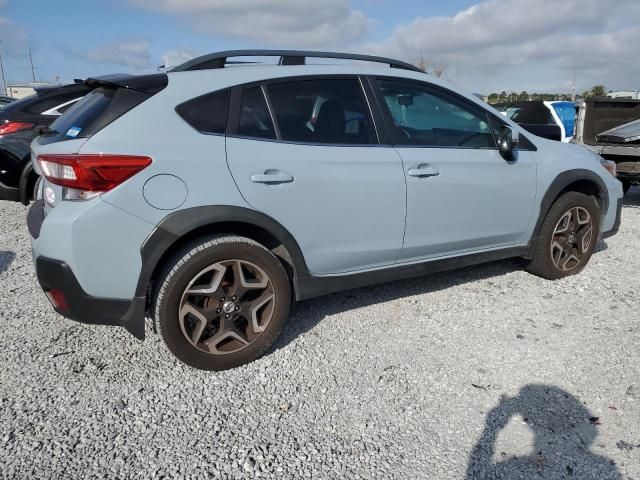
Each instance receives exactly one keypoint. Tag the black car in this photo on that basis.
(4, 101)
(20, 122)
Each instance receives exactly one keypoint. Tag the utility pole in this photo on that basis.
(4, 81)
(33, 70)
(573, 87)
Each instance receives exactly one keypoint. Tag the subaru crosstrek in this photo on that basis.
(210, 197)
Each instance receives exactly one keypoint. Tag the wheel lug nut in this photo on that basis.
(218, 310)
(222, 299)
(227, 316)
(234, 298)
(237, 308)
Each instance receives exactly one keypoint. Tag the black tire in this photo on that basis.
(542, 264)
(185, 266)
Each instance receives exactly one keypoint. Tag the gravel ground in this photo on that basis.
(486, 371)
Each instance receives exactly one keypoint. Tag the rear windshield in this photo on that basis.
(94, 112)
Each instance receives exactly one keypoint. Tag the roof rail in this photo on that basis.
(287, 57)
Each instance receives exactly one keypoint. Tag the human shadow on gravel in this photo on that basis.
(6, 258)
(564, 430)
(307, 314)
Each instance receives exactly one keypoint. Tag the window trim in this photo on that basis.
(440, 92)
(236, 98)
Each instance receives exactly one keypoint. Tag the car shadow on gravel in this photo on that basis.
(632, 198)
(307, 314)
(6, 259)
(564, 431)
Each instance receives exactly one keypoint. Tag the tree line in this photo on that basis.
(504, 97)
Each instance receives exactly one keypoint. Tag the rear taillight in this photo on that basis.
(58, 299)
(12, 127)
(89, 175)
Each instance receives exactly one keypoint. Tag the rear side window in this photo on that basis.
(326, 111)
(207, 113)
(255, 120)
(94, 112)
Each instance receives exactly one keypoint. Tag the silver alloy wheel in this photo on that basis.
(226, 306)
(571, 239)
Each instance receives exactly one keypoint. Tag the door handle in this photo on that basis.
(272, 177)
(423, 170)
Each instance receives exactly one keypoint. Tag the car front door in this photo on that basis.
(306, 153)
(462, 195)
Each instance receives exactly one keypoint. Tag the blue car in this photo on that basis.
(211, 197)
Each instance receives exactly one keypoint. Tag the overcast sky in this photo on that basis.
(490, 45)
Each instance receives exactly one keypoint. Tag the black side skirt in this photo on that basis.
(310, 286)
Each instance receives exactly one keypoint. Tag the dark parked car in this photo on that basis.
(20, 122)
(554, 120)
(4, 101)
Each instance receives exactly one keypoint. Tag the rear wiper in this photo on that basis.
(47, 131)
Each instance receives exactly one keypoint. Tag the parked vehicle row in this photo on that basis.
(212, 196)
(611, 128)
(20, 122)
(555, 120)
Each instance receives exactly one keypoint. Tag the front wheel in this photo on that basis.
(567, 237)
(222, 302)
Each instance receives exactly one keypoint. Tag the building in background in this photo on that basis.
(626, 94)
(22, 90)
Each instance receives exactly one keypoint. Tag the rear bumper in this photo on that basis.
(55, 274)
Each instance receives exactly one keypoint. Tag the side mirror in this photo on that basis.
(507, 143)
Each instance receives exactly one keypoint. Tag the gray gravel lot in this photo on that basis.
(486, 371)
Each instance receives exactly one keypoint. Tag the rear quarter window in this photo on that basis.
(207, 113)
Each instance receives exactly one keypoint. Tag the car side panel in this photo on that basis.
(176, 149)
(569, 162)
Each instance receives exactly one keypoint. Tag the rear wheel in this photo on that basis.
(222, 303)
(567, 237)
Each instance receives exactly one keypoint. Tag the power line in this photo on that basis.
(4, 82)
(33, 70)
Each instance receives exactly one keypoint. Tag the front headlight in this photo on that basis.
(609, 165)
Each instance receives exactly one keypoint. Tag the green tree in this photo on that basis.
(523, 97)
(493, 98)
(502, 97)
(598, 91)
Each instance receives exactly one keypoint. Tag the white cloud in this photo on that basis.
(495, 35)
(130, 53)
(292, 23)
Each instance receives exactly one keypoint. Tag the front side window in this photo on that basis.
(325, 111)
(423, 117)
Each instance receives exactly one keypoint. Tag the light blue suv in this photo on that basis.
(210, 197)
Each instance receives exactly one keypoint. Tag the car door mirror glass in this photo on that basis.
(507, 142)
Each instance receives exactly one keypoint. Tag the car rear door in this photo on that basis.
(462, 195)
(305, 152)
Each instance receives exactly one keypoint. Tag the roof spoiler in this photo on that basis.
(150, 84)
